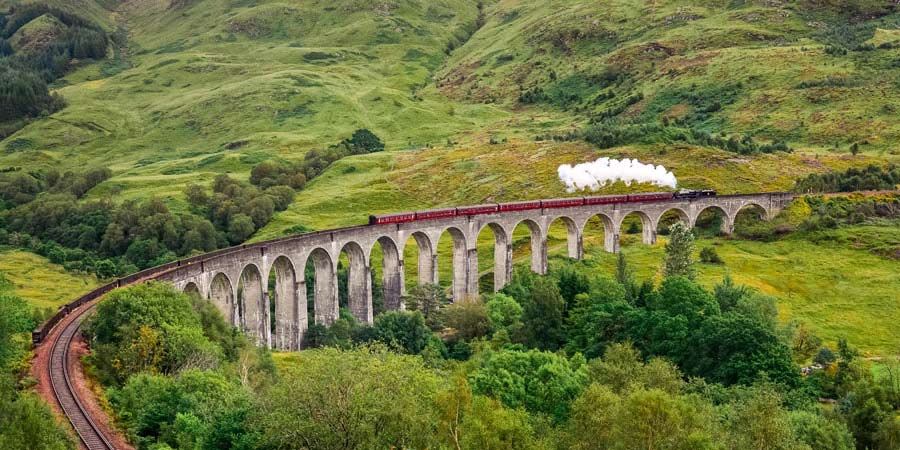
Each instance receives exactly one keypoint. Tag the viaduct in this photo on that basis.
(236, 281)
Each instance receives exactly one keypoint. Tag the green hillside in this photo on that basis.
(475, 101)
(205, 87)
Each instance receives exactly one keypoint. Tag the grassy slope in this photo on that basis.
(40, 282)
(673, 46)
(217, 86)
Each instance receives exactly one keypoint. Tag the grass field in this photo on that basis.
(40, 282)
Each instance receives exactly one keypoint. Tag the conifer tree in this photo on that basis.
(679, 252)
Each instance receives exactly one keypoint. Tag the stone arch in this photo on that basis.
(426, 270)
(727, 220)
(648, 232)
(391, 272)
(253, 304)
(221, 294)
(610, 232)
(325, 300)
(359, 282)
(538, 245)
(574, 247)
(284, 305)
(740, 215)
(191, 288)
(459, 261)
(766, 214)
(502, 254)
(682, 215)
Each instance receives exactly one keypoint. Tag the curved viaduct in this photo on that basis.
(237, 281)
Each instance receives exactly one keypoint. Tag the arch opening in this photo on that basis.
(387, 276)
(598, 232)
(494, 258)
(669, 218)
(320, 277)
(192, 289)
(284, 305)
(636, 227)
(419, 260)
(564, 230)
(253, 305)
(711, 221)
(355, 282)
(529, 243)
(452, 262)
(748, 220)
(221, 293)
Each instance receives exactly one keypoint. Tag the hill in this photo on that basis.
(205, 87)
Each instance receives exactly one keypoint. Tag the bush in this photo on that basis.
(710, 256)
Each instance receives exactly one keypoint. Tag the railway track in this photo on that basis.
(88, 432)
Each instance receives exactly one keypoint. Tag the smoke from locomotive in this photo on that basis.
(599, 173)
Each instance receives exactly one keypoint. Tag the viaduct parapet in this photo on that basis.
(237, 281)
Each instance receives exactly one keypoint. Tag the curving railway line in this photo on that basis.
(88, 432)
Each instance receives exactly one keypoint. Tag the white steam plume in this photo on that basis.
(594, 175)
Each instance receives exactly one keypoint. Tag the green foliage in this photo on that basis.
(193, 410)
(153, 328)
(27, 423)
(710, 256)
(871, 178)
(540, 382)
(820, 432)
(543, 316)
(15, 319)
(428, 299)
(357, 399)
(504, 314)
(602, 419)
(269, 173)
(468, 318)
(23, 75)
(473, 421)
(679, 252)
(405, 331)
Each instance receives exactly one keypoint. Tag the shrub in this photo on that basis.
(710, 256)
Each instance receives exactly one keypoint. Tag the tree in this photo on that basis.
(640, 419)
(240, 228)
(402, 330)
(819, 432)
(365, 141)
(679, 252)
(473, 421)
(596, 318)
(15, 318)
(626, 278)
(543, 316)
(428, 299)
(623, 370)
(26, 423)
(468, 317)
(728, 294)
(760, 422)
(537, 381)
(504, 314)
(349, 399)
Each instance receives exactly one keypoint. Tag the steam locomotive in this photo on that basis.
(493, 208)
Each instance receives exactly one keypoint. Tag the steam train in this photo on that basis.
(493, 208)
